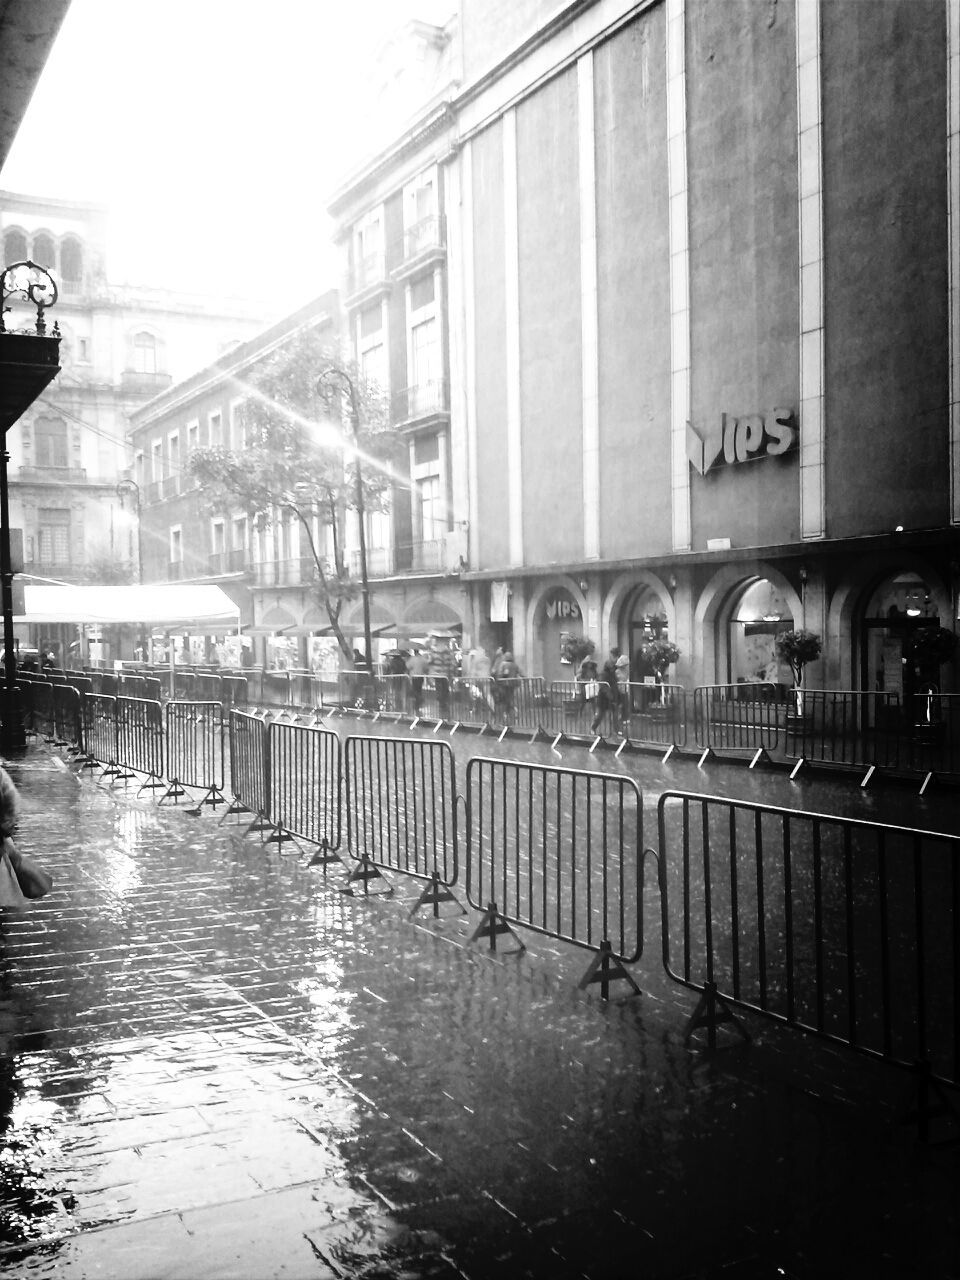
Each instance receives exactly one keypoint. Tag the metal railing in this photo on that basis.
(557, 851)
(847, 929)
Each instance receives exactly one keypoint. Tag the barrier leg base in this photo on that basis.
(491, 926)
(173, 792)
(212, 796)
(760, 757)
(151, 784)
(324, 856)
(433, 894)
(231, 810)
(279, 836)
(929, 1100)
(711, 1011)
(366, 872)
(605, 968)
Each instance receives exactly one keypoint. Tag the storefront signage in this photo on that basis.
(743, 439)
(561, 606)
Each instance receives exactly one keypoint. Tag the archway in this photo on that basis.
(556, 612)
(738, 616)
(899, 609)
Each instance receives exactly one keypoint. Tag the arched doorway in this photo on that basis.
(645, 618)
(759, 609)
(900, 607)
(557, 616)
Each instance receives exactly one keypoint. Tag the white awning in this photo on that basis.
(172, 605)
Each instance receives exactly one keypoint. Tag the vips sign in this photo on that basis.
(561, 607)
(745, 439)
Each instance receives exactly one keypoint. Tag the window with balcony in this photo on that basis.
(424, 394)
(215, 430)
(144, 352)
(15, 247)
(44, 251)
(176, 554)
(172, 482)
(421, 223)
(53, 536)
(50, 442)
(371, 345)
(369, 265)
(71, 265)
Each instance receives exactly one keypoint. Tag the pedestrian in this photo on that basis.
(506, 675)
(417, 668)
(587, 688)
(607, 695)
(623, 680)
(20, 877)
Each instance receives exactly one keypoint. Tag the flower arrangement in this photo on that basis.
(575, 649)
(660, 654)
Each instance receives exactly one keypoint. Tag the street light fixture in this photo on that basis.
(336, 388)
(29, 361)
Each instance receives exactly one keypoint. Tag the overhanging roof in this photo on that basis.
(170, 604)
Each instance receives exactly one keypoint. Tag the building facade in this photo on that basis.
(699, 307)
(70, 459)
(266, 570)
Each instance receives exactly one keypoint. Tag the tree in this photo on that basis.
(293, 462)
(797, 649)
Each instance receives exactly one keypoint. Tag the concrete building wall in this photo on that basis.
(742, 162)
(633, 289)
(491, 27)
(885, 218)
(492, 533)
(550, 323)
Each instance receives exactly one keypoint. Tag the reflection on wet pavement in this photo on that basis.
(218, 1064)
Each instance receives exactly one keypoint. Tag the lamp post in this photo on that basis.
(29, 361)
(334, 384)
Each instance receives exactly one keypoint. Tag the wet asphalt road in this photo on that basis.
(217, 1063)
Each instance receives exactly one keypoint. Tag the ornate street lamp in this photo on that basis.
(29, 361)
(336, 389)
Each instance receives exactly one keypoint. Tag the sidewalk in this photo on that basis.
(217, 1064)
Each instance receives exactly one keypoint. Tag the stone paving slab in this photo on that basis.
(217, 1063)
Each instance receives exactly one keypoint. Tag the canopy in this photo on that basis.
(172, 605)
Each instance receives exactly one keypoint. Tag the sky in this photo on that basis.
(214, 131)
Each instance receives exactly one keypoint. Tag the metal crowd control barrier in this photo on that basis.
(472, 700)
(560, 852)
(933, 745)
(303, 796)
(842, 726)
(735, 716)
(235, 691)
(140, 740)
(249, 766)
(401, 800)
(657, 713)
(843, 928)
(195, 750)
(99, 730)
(41, 706)
(67, 722)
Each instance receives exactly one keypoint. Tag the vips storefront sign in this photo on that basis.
(745, 439)
(561, 608)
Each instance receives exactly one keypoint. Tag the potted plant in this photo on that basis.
(797, 649)
(575, 648)
(660, 654)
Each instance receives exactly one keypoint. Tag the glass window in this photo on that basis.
(431, 509)
(425, 354)
(53, 537)
(44, 250)
(145, 353)
(50, 436)
(71, 261)
(14, 247)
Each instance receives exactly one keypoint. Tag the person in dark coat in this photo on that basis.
(608, 699)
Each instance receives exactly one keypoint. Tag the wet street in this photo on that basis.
(217, 1063)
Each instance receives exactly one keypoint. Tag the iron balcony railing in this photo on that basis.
(423, 237)
(423, 401)
(62, 475)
